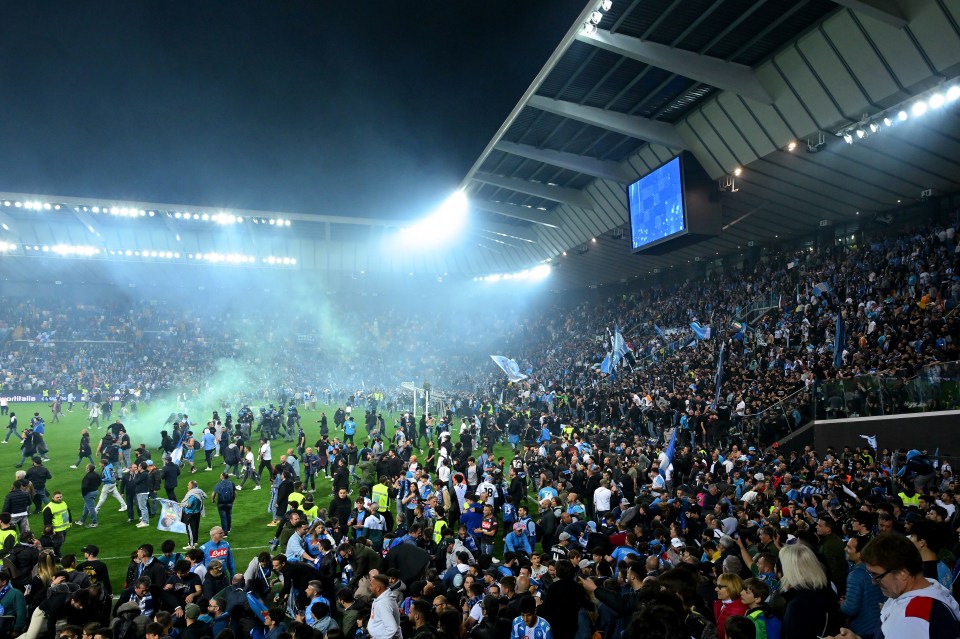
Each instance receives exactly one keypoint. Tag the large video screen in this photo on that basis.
(656, 203)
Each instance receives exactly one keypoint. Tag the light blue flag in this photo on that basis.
(510, 367)
(620, 348)
(605, 365)
(702, 332)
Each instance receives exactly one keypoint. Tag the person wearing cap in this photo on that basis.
(94, 568)
(195, 628)
(561, 549)
(517, 541)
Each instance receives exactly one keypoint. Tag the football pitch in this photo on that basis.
(117, 538)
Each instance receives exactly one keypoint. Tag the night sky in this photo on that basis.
(373, 109)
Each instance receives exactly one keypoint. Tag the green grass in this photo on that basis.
(115, 537)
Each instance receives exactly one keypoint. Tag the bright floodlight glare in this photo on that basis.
(791, 146)
(596, 17)
(919, 108)
(606, 5)
(861, 133)
(902, 116)
(848, 138)
(887, 121)
(539, 272)
(953, 93)
(936, 100)
(442, 225)
(874, 127)
(589, 28)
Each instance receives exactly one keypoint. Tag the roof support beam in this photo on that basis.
(729, 76)
(571, 161)
(560, 194)
(632, 126)
(506, 231)
(887, 11)
(516, 212)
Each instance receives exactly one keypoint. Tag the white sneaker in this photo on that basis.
(142, 525)
(73, 467)
(207, 470)
(6, 442)
(239, 487)
(256, 487)
(92, 526)
(123, 510)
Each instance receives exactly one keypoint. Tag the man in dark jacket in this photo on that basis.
(89, 487)
(362, 557)
(17, 503)
(38, 475)
(170, 476)
(340, 506)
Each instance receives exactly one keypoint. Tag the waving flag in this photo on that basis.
(510, 367)
(667, 455)
(719, 377)
(821, 288)
(871, 439)
(702, 332)
(839, 339)
(620, 348)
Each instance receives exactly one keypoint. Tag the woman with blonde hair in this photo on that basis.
(812, 608)
(728, 602)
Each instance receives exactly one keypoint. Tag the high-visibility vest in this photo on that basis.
(440, 528)
(59, 514)
(9, 532)
(381, 496)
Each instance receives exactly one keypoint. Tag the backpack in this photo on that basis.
(226, 493)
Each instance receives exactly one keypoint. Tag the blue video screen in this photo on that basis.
(656, 205)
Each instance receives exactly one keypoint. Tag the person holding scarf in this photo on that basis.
(193, 510)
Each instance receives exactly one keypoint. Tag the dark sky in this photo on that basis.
(367, 108)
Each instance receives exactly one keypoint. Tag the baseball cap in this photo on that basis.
(518, 527)
(565, 536)
(91, 549)
(191, 611)
(676, 542)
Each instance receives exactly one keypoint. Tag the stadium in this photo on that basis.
(558, 320)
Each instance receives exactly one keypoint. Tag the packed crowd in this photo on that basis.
(630, 506)
(593, 530)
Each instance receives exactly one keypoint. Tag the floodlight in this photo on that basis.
(791, 146)
(936, 100)
(46, 206)
(737, 171)
(887, 121)
(589, 28)
(606, 5)
(874, 127)
(953, 93)
(540, 272)
(596, 17)
(861, 134)
(848, 138)
(902, 116)
(919, 108)
(441, 226)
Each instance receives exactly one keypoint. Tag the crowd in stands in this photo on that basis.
(634, 504)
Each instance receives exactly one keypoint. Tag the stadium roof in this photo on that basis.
(766, 87)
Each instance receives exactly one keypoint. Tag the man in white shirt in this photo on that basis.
(384, 613)
(601, 499)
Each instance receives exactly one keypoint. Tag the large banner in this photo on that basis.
(170, 512)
